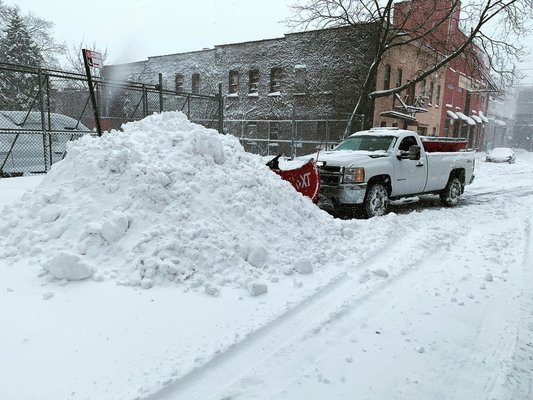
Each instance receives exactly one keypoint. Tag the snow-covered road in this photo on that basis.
(443, 310)
(424, 303)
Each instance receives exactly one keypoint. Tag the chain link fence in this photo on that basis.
(42, 110)
(291, 137)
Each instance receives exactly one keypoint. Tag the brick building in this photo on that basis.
(455, 98)
(313, 74)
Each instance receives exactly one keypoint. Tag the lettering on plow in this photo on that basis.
(305, 181)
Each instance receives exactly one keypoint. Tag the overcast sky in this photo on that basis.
(133, 30)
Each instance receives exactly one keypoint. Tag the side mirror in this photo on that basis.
(414, 153)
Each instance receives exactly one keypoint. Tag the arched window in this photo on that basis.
(195, 84)
(179, 83)
(233, 84)
(386, 78)
(275, 79)
(253, 82)
(399, 74)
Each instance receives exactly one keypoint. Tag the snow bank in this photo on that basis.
(166, 202)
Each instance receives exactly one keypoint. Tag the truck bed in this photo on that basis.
(443, 144)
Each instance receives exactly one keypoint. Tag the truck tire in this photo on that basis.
(449, 197)
(376, 200)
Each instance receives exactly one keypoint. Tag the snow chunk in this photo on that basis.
(69, 267)
(48, 295)
(257, 288)
(381, 273)
(50, 213)
(257, 256)
(304, 266)
(114, 228)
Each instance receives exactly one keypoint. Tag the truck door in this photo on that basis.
(410, 175)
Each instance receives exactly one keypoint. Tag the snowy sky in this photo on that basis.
(133, 30)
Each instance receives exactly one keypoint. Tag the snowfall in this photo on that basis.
(164, 262)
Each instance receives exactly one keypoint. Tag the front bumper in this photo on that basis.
(346, 194)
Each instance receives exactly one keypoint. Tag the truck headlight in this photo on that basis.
(354, 175)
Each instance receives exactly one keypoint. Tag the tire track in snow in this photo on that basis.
(213, 378)
(453, 362)
(517, 383)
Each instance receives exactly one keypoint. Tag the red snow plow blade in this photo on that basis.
(305, 179)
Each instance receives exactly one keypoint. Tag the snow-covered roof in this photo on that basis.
(465, 118)
(482, 116)
(451, 114)
(476, 118)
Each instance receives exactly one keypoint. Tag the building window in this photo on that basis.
(178, 79)
(431, 87)
(386, 78)
(233, 82)
(399, 74)
(423, 88)
(300, 79)
(275, 79)
(383, 123)
(437, 99)
(253, 81)
(195, 85)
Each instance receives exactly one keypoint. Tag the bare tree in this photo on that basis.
(487, 37)
(74, 58)
(41, 32)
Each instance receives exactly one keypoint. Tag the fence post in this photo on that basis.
(160, 92)
(145, 101)
(92, 94)
(189, 107)
(293, 134)
(46, 138)
(268, 139)
(327, 131)
(220, 109)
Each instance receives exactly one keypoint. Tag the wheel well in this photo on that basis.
(458, 173)
(383, 179)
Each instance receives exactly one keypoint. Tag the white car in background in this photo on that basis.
(501, 154)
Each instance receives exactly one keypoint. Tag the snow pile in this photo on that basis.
(166, 201)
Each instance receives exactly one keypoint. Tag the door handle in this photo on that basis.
(419, 164)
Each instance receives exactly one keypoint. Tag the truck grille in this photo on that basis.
(329, 175)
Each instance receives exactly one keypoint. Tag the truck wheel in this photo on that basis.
(376, 200)
(449, 197)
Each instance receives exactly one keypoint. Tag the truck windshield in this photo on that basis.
(368, 143)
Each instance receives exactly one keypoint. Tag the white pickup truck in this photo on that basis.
(369, 168)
